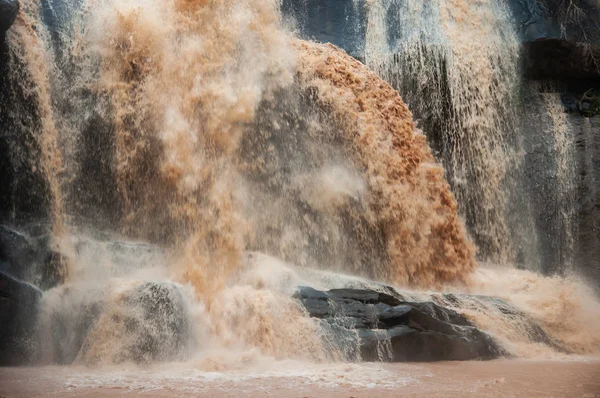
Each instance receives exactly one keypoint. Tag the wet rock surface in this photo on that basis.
(27, 255)
(157, 319)
(8, 13)
(392, 329)
(556, 59)
(147, 324)
(573, 20)
(19, 303)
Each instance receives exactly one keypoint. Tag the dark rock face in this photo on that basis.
(573, 20)
(157, 318)
(390, 328)
(18, 312)
(8, 13)
(583, 189)
(24, 193)
(587, 144)
(554, 59)
(341, 22)
(27, 255)
(68, 315)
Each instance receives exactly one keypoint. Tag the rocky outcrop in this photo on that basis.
(8, 13)
(146, 323)
(555, 59)
(19, 303)
(561, 39)
(573, 20)
(392, 329)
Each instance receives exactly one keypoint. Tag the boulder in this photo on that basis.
(8, 13)
(147, 324)
(19, 302)
(527, 324)
(157, 318)
(395, 330)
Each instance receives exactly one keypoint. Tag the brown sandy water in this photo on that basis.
(456, 62)
(232, 136)
(577, 377)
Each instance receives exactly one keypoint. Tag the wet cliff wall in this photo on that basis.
(558, 67)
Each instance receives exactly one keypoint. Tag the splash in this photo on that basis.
(565, 308)
(182, 78)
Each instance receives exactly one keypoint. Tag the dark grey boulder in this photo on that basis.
(8, 12)
(407, 344)
(390, 329)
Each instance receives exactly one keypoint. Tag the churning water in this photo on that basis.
(250, 162)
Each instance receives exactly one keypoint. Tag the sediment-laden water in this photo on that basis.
(200, 163)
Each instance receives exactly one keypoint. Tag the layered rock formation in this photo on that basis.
(389, 328)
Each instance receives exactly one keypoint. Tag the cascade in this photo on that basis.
(224, 193)
(457, 66)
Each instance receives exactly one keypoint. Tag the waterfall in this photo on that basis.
(209, 176)
(564, 147)
(456, 65)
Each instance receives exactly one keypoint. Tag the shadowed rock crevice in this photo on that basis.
(555, 59)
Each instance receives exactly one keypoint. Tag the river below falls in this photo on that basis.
(572, 377)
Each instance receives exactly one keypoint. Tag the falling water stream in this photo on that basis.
(232, 162)
(456, 65)
(564, 143)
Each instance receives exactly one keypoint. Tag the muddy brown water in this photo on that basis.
(571, 377)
